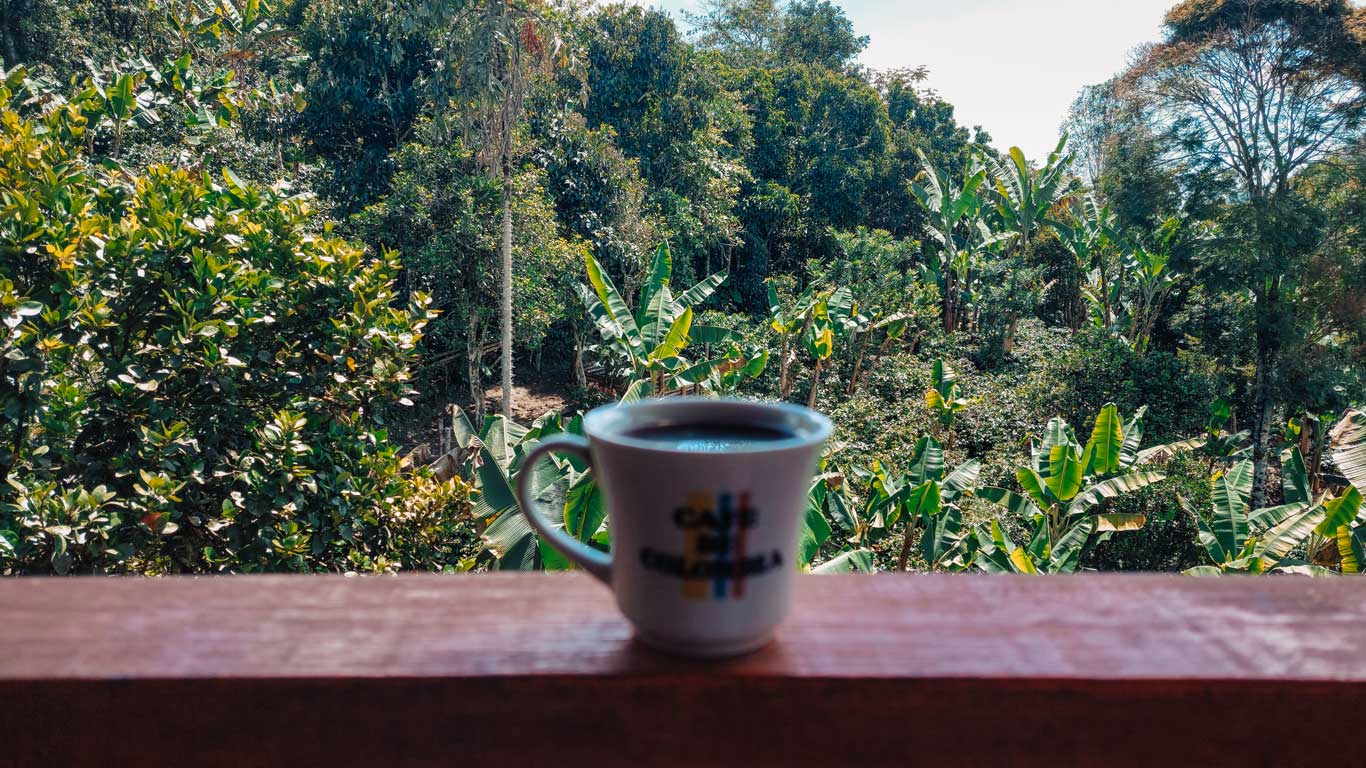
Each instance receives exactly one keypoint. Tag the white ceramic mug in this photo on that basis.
(704, 542)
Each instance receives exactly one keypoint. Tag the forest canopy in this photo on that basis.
(295, 284)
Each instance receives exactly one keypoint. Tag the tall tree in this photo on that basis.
(817, 32)
(362, 100)
(1093, 122)
(746, 31)
(1260, 90)
(499, 47)
(672, 113)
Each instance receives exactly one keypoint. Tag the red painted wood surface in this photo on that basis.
(540, 669)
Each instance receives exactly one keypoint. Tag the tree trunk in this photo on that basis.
(858, 365)
(1008, 344)
(1263, 395)
(950, 301)
(815, 385)
(507, 289)
(904, 558)
(580, 375)
(473, 342)
(8, 31)
(784, 370)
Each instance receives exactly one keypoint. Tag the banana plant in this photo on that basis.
(791, 323)
(833, 318)
(816, 321)
(1240, 540)
(1025, 197)
(1153, 283)
(827, 493)
(1089, 236)
(1023, 201)
(1345, 519)
(1064, 486)
(942, 396)
(115, 100)
(492, 460)
(893, 329)
(654, 339)
(953, 214)
(925, 495)
(1218, 443)
(928, 496)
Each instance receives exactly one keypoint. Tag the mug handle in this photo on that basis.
(594, 561)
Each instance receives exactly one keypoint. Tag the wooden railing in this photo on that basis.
(505, 670)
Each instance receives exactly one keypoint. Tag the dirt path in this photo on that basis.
(528, 403)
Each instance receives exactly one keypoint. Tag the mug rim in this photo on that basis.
(808, 427)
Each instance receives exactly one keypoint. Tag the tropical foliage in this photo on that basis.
(260, 263)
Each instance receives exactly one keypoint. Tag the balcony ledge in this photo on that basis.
(502, 668)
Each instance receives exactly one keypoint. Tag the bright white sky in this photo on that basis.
(1010, 66)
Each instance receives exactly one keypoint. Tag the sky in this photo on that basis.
(1010, 66)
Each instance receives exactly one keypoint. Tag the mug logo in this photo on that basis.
(715, 561)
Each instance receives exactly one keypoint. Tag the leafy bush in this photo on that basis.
(193, 381)
(1168, 542)
(1096, 368)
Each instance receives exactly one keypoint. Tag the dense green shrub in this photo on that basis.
(1168, 542)
(194, 381)
(1095, 368)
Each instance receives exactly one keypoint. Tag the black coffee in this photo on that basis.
(710, 438)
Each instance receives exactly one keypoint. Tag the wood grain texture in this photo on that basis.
(495, 669)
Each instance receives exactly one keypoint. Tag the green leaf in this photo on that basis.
(656, 317)
(1064, 472)
(696, 295)
(611, 300)
(1340, 511)
(495, 492)
(815, 528)
(961, 479)
(1014, 502)
(923, 500)
(502, 436)
(675, 340)
(1107, 439)
(855, 561)
(941, 535)
(1034, 486)
(710, 334)
(1289, 534)
(1108, 489)
(942, 378)
(1295, 479)
(1056, 433)
(639, 390)
(927, 462)
(1231, 492)
(584, 509)
(1272, 516)
(1206, 536)
(661, 268)
(512, 542)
